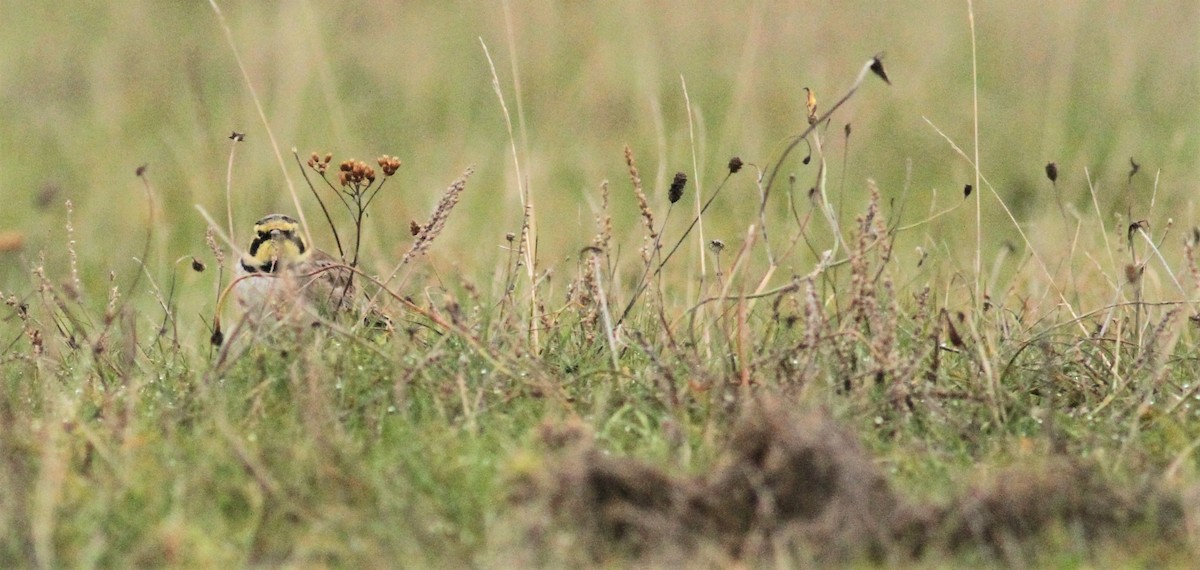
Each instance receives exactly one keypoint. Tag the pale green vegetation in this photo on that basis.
(1019, 365)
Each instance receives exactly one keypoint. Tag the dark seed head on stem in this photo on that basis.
(1052, 172)
(676, 190)
(735, 164)
(877, 68)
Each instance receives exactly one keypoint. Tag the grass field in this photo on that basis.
(850, 358)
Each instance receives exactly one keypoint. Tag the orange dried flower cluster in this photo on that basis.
(389, 164)
(315, 162)
(355, 172)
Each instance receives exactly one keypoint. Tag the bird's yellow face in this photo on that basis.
(277, 243)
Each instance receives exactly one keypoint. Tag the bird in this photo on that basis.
(281, 278)
(280, 266)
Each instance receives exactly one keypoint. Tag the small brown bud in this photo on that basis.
(197, 265)
(967, 190)
(735, 164)
(414, 228)
(877, 68)
(1133, 273)
(1052, 171)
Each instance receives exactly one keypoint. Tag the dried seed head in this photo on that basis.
(316, 163)
(509, 237)
(342, 177)
(717, 246)
(197, 265)
(211, 241)
(346, 165)
(967, 190)
(676, 190)
(1134, 227)
(735, 164)
(237, 137)
(877, 68)
(810, 105)
(1133, 273)
(1052, 171)
(413, 227)
(389, 164)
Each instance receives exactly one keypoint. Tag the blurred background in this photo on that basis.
(90, 93)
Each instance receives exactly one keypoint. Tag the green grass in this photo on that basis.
(127, 440)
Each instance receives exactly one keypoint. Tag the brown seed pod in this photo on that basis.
(735, 164)
(676, 191)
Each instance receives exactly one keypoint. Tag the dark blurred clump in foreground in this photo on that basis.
(801, 487)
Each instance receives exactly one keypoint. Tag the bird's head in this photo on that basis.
(277, 243)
